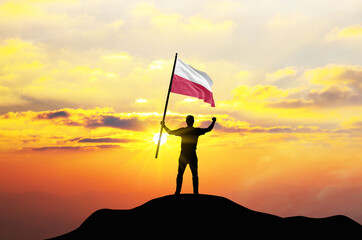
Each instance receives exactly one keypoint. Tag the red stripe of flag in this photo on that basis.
(183, 86)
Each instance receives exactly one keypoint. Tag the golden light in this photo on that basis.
(163, 138)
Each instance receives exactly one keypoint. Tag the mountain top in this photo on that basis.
(201, 215)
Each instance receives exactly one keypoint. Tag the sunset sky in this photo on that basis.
(83, 86)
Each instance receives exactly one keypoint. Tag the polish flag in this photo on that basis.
(192, 82)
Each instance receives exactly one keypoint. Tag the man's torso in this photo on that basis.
(190, 136)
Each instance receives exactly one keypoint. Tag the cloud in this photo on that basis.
(230, 125)
(141, 100)
(331, 97)
(115, 122)
(335, 96)
(261, 129)
(71, 148)
(88, 129)
(258, 93)
(18, 50)
(358, 124)
(88, 118)
(280, 74)
(94, 118)
(63, 127)
(171, 29)
(55, 114)
(105, 140)
(256, 99)
(224, 129)
(16, 9)
(179, 24)
(190, 100)
(341, 87)
(333, 74)
(33, 19)
(34, 77)
(38, 74)
(290, 103)
(351, 32)
(352, 124)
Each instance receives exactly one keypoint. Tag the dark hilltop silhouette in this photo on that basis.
(206, 216)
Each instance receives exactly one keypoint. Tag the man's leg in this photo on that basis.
(182, 163)
(195, 177)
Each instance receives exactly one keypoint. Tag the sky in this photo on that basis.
(83, 86)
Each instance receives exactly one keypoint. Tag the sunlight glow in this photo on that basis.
(163, 138)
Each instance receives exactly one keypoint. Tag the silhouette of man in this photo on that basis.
(188, 155)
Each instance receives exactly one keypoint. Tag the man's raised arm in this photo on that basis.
(211, 125)
(169, 131)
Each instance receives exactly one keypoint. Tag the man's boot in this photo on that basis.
(195, 183)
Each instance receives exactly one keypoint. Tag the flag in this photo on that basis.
(192, 82)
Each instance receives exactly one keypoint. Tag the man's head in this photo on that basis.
(190, 120)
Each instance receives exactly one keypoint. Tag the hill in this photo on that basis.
(189, 215)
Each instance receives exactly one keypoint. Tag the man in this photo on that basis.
(188, 155)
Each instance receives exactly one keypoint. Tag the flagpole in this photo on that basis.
(164, 112)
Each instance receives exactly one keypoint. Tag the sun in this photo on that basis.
(163, 138)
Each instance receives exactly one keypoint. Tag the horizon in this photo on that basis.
(83, 86)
